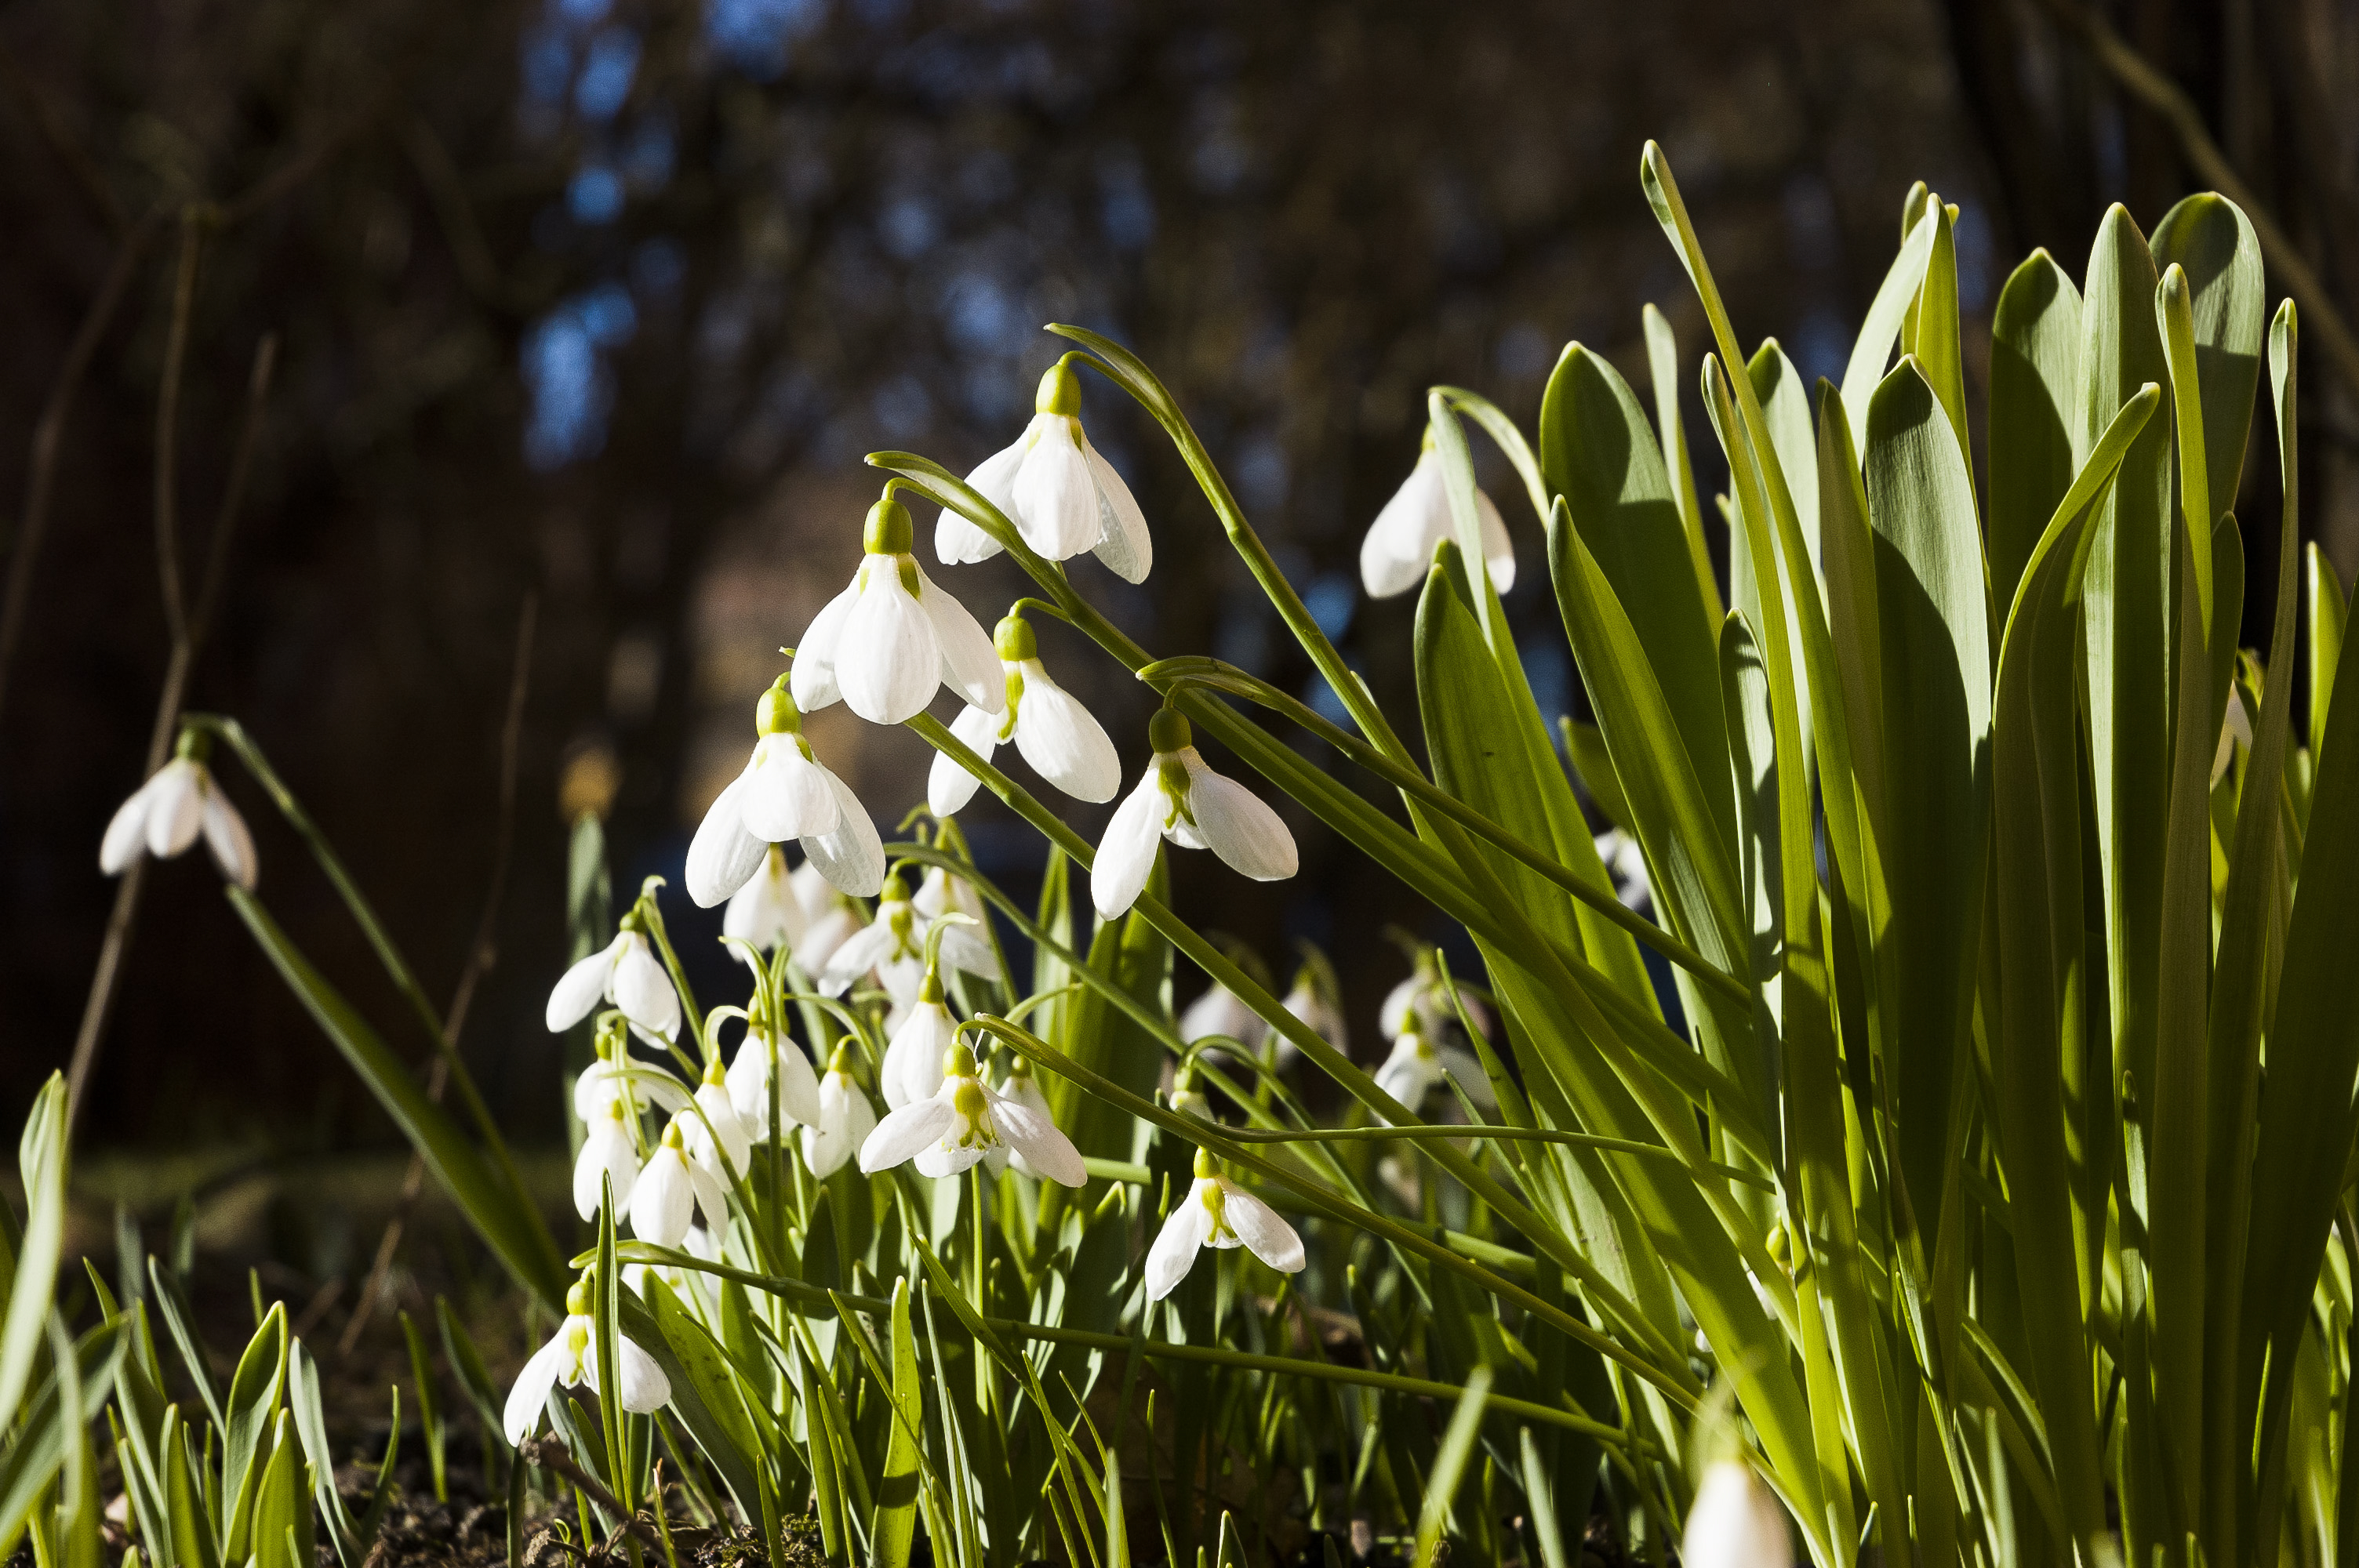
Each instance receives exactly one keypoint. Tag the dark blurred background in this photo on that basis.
(602, 301)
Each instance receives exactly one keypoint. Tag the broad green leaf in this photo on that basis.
(312, 1432)
(2035, 432)
(1786, 415)
(895, 1527)
(2174, 322)
(703, 1377)
(41, 1164)
(252, 1409)
(2210, 237)
(2328, 611)
(279, 1504)
(1584, 744)
(1450, 1466)
(30, 1460)
(1895, 298)
(1935, 342)
(1671, 440)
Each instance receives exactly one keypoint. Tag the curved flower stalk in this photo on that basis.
(624, 972)
(962, 1123)
(884, 644)
(1182, 799)
(1218, 1212)
(768, 912)
(1735, 1523)
(1062, 495)
(1400, 545)
(846, 1118)
(1060, 738)
(892, 945)
(179, 802)
(569, 1360)
(785, 793)
(672, 1188)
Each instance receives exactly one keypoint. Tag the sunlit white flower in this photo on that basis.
(1735, 1523)
(607, 1151)
(913, 1056)
(963, 1122)
(601, 1087)
(1188, 1097)
(1183, 800)
(1060, 740)
(1020, 1087)
(749, 1081)
(1399, 549)
(1217, 1212)
(833, 919)
(2235, 730)
(766, 912)
(1222, 1011)
(846, 1118)
(1417, 1066)
(625, 972)
(1316, 1000)
(1062, 495)
(1625, 862)
(884, 644)
(1422, 1004)
(718, 1138)
(165, 816)
(893, 945)
(570, 1359)
(671, 1187)
(785, 793)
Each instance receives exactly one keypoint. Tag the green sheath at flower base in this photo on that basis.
(888, 531)
(1014, 639)
(774, 712)
(1060, 392)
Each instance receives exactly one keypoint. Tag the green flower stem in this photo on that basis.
(817, 1296)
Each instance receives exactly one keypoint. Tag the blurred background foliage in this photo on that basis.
(600, 301)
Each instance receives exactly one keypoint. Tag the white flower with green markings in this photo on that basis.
(672, 1187)
(1182, 799)
(884, 644)
(1062, 496)
(1218, 1212)
(892, 946)
(962, 1123)
(846, 1118)
(624, 972)
(1399, 546)
(785, 793)
(768, 912)
(571, 1358)
(1056, 737)
(914, 1056)
(760, 1056)
(179, 802)
(609, 1152)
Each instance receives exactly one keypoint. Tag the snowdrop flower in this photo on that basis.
(1735, 1523)
(2235, 729)
(571, 1358)
(671, 1187)
(1222, 1011)
(884, 644)
(1625, 862)
(625, 972)
(785, 793)
(749, 1081)
(1217, 1212)
(940, 893)
(179, 801)
(963, 1122)
(914, 1056)
(1062, 495)
(1188, 1097)
(894, 945)
(766, 913)
(833, 920)
(1315, 999)
(1399, 547)
(1052, 731)
(1416, 1067)
(1421, 1004)
(1181, 799)
(846, 1118)
(607, 1151)
(1020, 1087)
(718, 1139)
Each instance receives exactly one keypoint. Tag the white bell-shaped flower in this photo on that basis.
(1416, 1066)
(884, 644)
(1421, 1004)
(1399, 549)
(608, 1149)
(1625, 862)
(717, 1138)
(570, 1359)
(1020, 1088)
(672, 1187)
(835, 919)
(914, 1056)
(962, 1123)
(1062, 495)
(1183, 800)
(624, 972)
(785, 793)
(180, 801)
(1060, 738)
(1217, 1212)
(1222, 1011)
(892, 945)
(749, 1081)
(607, 1084)
(1316, 999)
(766, 912)
(846, 1118)
(1735, 1523)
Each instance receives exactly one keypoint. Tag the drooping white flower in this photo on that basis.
(2235, 730)
(1399, 549)
(1181, 799)
(1735, 1523)
(963, 1122)
(1218, 1212)
(765, 912)
(180, 801)
(717, 1138)
(1062, 495)
(893, 945)
(671, 1187)
(607, 1151)
(785, 793)
(914, 1056)
(1222, 1011)
(1417, 1066)
(1316, 1000)
(570, 1359)
(1062, 740)
(749, 1081)
(625, 972)
(1020, 1088)
(940, 893)
(1422, 1003)
(884, 644)
(602, 1085)
(832, 924)
(846, 1118)
(1625, 862)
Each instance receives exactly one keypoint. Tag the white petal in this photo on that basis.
(663, 1201)
(765, 910)
(813, 685)
(867, 948)
(798, 1085)
(226, 835)
(888, 660)
(578, 991)
(1260, 1227)
(126, 832)
(957, 542)
(852, 857)
(1399, 543)
(1062, 741)
(949, 786)
(1126, 856)
(786, 793)
(2234, 726)
(606, 1151)
(1239, 827)
(1221, 1010)
(913, 1060)
(938, 1162)
(969, 665)
(711, 1198)
(1498, 550)
(827, 934)
(1734, 1522)
(941, 894)
(1123, 545)
(1030, 1133)
(642, 990)
(901, 1135)
(845, 1121)
(965, 949)
(1055, 495)
(721, 1111)
(646, 1389)
(529, 1396)
(724, 856)
(176, 810)
(1397, 1014)
(1026, 1091)
(1175, 1249)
